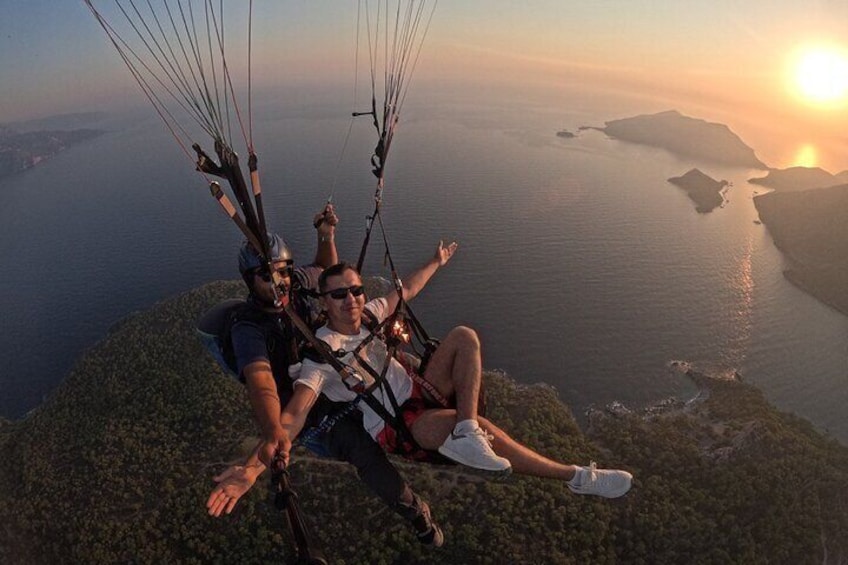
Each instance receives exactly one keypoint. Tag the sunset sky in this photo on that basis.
(776, 62)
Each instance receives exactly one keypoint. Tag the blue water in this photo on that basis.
(579, 264)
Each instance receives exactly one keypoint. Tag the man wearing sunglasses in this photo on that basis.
(454, 370)
(266, 346)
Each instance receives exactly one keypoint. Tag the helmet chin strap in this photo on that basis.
(280, 300)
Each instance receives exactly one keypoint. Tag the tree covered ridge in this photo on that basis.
(117, 464)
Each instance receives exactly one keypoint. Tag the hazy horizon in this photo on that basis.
(730, 63)
(504, 78)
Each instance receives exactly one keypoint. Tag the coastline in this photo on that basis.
(715, 406)
(806, 280)
(806, 228)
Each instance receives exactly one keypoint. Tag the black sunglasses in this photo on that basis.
(341, 293)
(285, 272)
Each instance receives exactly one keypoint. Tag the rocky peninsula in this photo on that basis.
(706, 192)
(809, 227)
(686, 137)
(799, 178)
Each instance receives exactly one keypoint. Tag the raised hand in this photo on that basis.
(325, 221)
(445, 252)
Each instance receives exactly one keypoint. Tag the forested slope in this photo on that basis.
(117, 464)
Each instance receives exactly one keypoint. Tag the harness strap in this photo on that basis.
(367, 395)
(321, 347)
(348, 374)
(416, 375)
(430, 389)
(326, 423)
(430, 346)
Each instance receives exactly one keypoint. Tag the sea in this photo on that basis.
(579, 265)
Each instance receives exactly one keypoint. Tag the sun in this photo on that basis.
(821, 75)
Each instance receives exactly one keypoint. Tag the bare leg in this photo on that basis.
(432, 427)
(524, 460)
(456, 367)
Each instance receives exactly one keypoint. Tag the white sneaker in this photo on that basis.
(609, 483)
(470, 445)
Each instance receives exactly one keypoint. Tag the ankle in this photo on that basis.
(466, 426)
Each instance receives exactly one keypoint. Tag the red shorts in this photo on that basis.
(418, 402)
(410, 411)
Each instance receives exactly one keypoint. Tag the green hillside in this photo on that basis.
(116, 466)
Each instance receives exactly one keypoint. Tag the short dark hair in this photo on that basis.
(333, 271)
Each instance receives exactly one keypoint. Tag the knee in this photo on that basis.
(464, 337)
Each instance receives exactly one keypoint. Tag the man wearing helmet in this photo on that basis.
(265, 345)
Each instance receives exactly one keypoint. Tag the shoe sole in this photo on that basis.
(612, 494)
(505, 472)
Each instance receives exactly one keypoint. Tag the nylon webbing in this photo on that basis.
(347, 373)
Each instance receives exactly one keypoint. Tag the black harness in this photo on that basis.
(319, 352)
(284, 342)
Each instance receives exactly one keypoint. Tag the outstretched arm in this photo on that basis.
(415, 281)
(325, 224)
(238, 479)
(262, 392)
(292, 420)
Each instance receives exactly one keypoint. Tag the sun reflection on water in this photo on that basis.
(743, 288)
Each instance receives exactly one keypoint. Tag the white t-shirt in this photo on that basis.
(321, 377)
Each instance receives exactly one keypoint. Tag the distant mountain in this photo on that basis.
(685, 136)
(116, 467)
(20, 151)
(800, 178)
(704, 190)
(810, 228)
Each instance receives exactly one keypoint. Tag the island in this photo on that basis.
(20, 151)
(799, 178)
(116, 466)
(685, 137)
(810, 228)
(706, 192)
